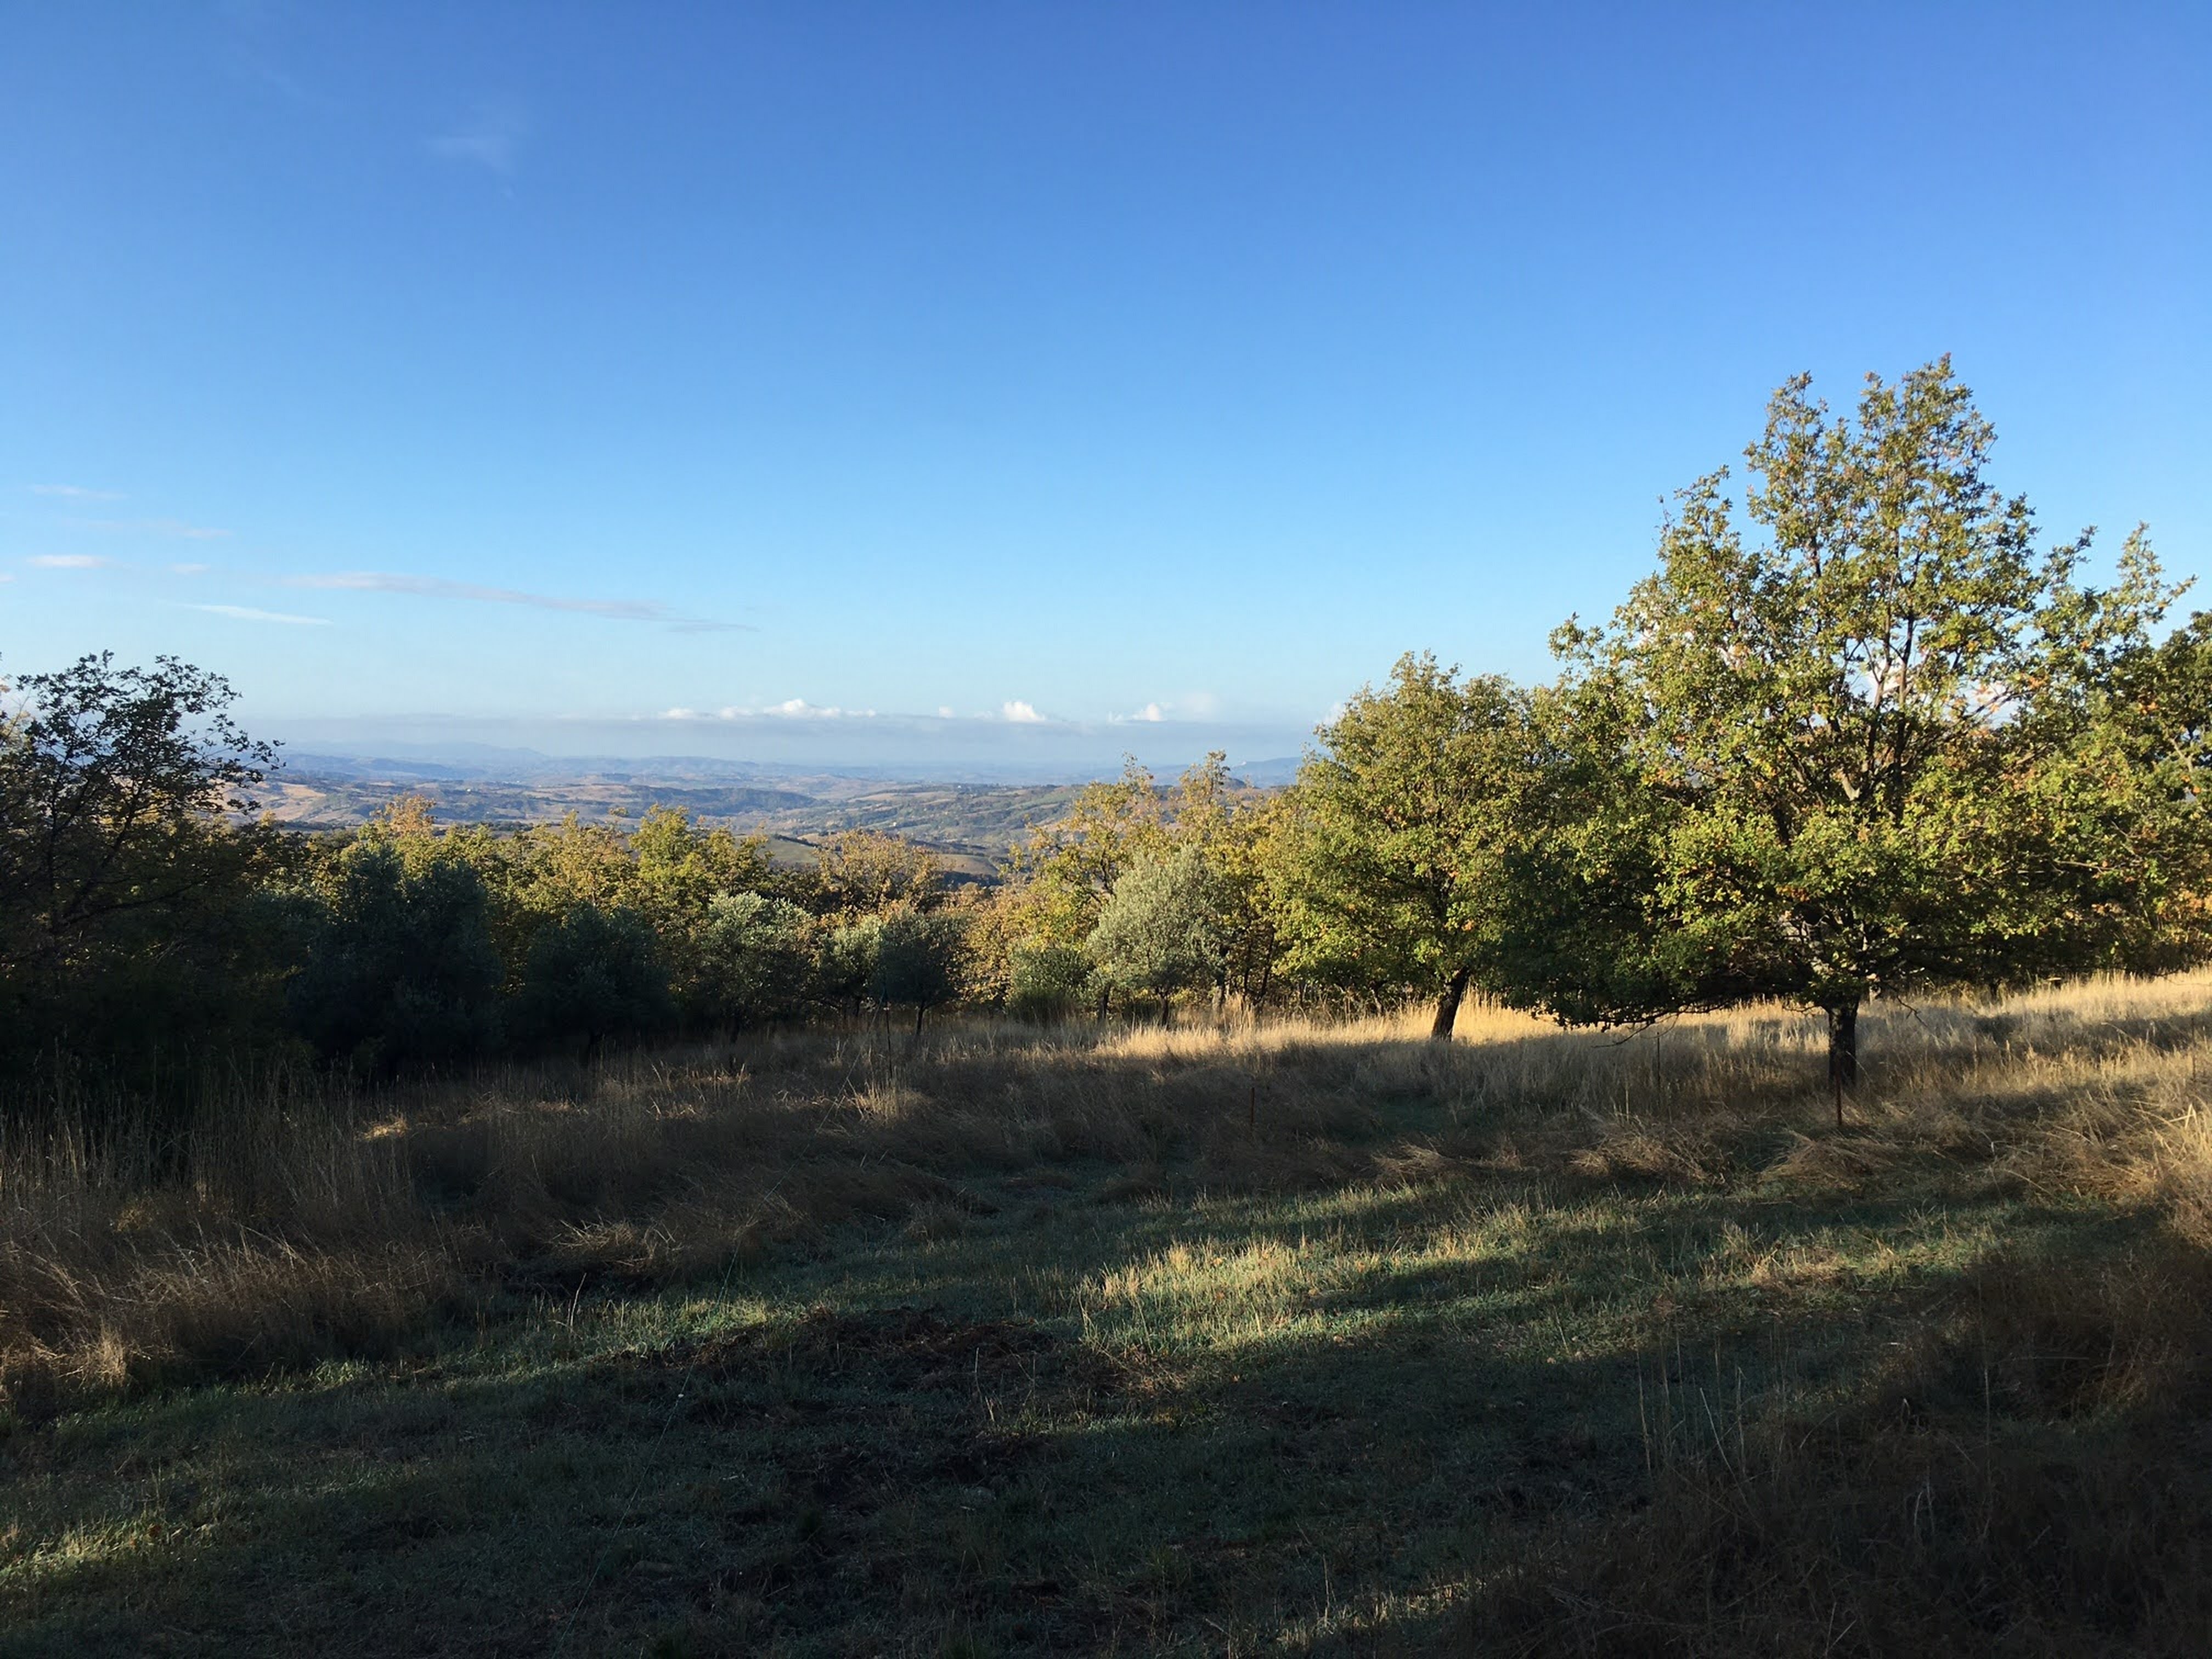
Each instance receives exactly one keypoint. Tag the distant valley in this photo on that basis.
(969, 823)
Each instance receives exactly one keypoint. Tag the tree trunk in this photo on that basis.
(919, 1009)
(1842, 1053)
(1448, 1008)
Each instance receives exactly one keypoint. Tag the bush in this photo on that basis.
(756, 959)
(917, 955)
(400, 967)
(593, 974)
(1048, 982)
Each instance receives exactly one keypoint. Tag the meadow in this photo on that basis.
(1230, 1337)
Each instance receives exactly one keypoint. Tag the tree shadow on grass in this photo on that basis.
(1045, 1430)
(920, 1475)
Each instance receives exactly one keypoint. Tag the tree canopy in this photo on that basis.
(1401, 825)
(114, 783)
(1159, 932)
(1834, 745)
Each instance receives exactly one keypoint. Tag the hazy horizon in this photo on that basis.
(922, 749)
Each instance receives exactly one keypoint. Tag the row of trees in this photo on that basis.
(148, 914)
(1856, 738)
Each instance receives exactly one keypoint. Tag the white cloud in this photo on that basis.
(945, 712)
(6, 576)
(188, 569)
(68, 562)
(792, 708)
(437, 587)
(249, 613)
(194, 532)
(1020, 713)
(76, 492)
(491, 138)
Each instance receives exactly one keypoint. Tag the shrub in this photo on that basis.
(755, 957)
(400, 967)
(1047, 981)
(593, 974)
(917, 955)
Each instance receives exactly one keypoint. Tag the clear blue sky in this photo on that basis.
(572, 364)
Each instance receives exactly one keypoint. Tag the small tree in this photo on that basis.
(114, 785)
(133, 930)
(683, 869)
(862, 871)
(400, 968)
(593, 974)
(755, 957)
(1845, 758)
(916, 961)
(844, 962)
(1389, 873)
(1159, 932)
(1066, 868)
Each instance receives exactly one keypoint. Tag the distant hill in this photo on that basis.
(970, 824)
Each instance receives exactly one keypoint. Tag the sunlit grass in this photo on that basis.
(1248, 1337)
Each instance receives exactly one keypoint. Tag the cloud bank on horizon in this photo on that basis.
(919, 746)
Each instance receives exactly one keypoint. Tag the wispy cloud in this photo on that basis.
(491, 138)
(792, 708)
(249, 613)
(1020, 713)
(194, 532)
(1151, 712)
(68, 562)
(437, 587)
(188, 570)
(76, 492)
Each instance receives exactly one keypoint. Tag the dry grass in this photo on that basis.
(1254, 1336)
(2029, 1479)
(300, 1225)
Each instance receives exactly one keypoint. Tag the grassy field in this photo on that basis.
(1275, 1339)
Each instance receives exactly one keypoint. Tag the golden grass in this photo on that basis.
(291, 1225)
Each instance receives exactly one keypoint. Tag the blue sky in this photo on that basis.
(1018, 382)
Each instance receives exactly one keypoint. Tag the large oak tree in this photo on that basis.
(1856, 738)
